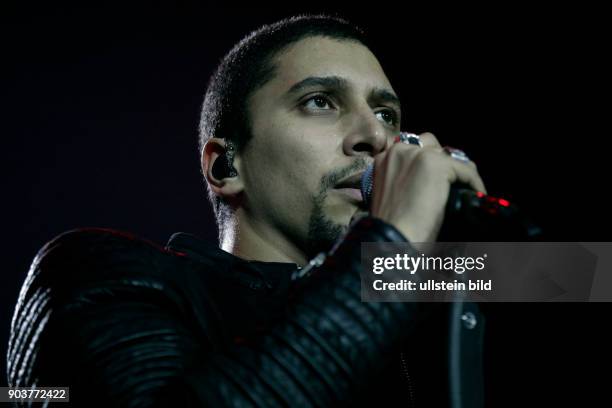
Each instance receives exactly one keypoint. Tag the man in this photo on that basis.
(292, 117)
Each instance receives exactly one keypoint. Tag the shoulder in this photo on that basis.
(88, 264)
(88, 243)
(89, 290)
(85, 255)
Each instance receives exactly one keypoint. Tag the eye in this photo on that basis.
(387, 116)
(317, 102)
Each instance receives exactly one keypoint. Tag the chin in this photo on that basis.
(329, 220)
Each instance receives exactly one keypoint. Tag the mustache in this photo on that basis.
(332, 178)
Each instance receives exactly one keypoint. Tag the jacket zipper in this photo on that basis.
(406, 375)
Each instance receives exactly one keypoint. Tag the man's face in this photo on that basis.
(320, 120)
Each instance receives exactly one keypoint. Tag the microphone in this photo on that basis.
(472, 216)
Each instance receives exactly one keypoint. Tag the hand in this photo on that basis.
(412, 183)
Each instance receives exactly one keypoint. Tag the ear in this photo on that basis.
(227, 187)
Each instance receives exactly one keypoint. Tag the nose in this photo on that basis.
(367, 135)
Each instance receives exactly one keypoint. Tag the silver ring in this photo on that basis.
(457, 154)
(410, 138)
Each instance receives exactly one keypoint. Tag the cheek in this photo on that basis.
(276, 179)
(310, 160)
(288, 157)
(297, 160)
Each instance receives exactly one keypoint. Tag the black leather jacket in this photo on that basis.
(124, 322)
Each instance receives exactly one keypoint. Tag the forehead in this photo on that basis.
(321, 56)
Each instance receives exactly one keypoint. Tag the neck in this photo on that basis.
(253, 241)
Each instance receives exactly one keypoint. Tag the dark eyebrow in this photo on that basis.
(331, 82)
(379, 95)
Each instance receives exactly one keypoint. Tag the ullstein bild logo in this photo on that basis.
(432, 285)
(487, 272)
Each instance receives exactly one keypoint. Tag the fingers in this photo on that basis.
(467, 173)
(432, 153)
(411, 186)
(434, 160)
(400, 153)
(429, 140)
(456, 170)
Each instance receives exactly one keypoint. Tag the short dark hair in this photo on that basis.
(246, 68)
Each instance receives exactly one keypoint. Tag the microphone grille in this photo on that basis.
(367, 182)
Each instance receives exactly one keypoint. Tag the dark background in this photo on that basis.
(100, 111)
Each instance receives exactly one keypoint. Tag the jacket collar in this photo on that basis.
(274, 274)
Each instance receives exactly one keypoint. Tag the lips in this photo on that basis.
(351, 187)
(353, 181)
(351, 192)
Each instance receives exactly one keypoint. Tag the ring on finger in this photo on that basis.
(409, 138)
(456, 154)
